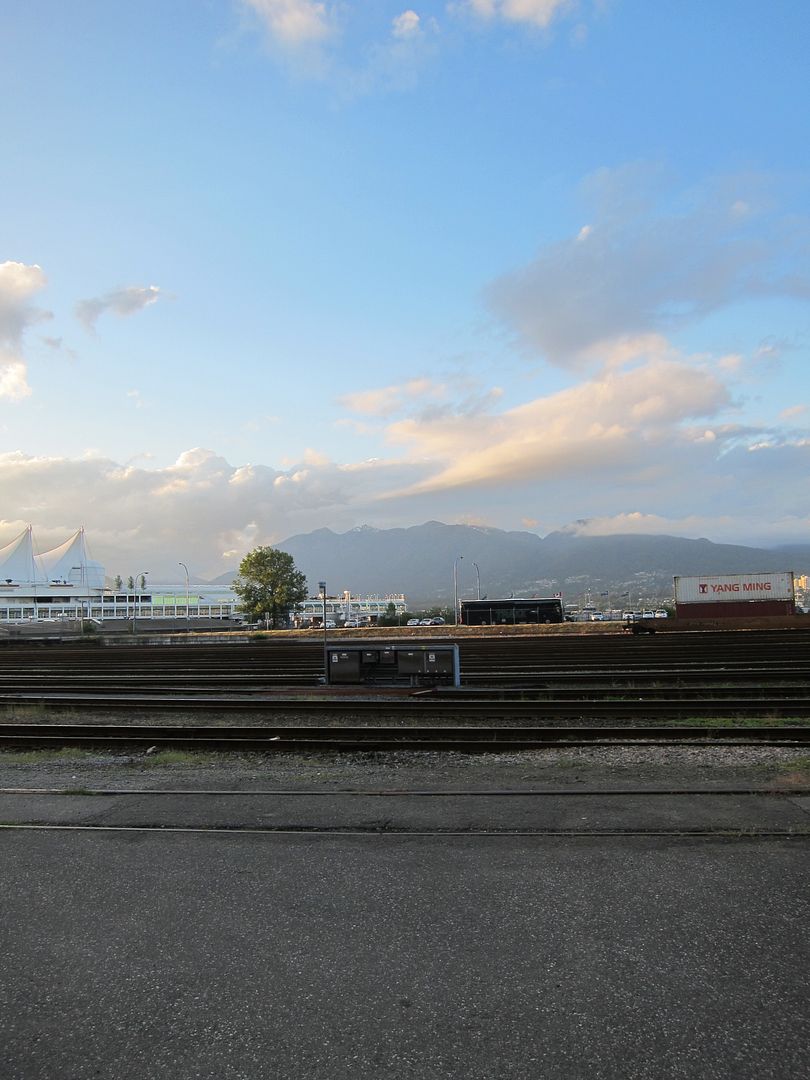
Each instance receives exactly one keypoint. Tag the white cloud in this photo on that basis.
(604, 423)
(121, 302)
(332, 40)
(388, 400)
(13, 379)
(641, 267)
(636, 522)
(18, 284)
(293, 22)
(406, 25)
(538, 13)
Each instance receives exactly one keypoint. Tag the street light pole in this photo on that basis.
(322, 587)
(80, 604)
(456, 561)
(141, 574)
(477, 580)
(186, 570)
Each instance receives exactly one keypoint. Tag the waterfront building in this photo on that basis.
(65, 583)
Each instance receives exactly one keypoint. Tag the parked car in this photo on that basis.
(661, 614)
(648, 615)
(425, 622)
(412, 622)
(597, 616)
(437, 621)
(351, 623)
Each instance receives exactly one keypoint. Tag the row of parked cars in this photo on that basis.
(627, 616)
(437, 620)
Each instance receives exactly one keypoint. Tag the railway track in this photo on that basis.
(414, 709)
(357, 738)
(530, 681)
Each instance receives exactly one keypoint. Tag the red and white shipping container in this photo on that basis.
(713, 596)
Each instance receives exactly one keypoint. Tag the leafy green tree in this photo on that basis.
(130, 583)
(390, 617)
(119, 583)
(268, 583)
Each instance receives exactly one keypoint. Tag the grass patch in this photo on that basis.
(742, 721)
(797, 768)
(32, 714)
(44, 757)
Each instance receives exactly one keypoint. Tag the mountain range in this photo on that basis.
(419, 561)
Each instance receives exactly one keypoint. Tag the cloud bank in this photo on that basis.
(649, 261)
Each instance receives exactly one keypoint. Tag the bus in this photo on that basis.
(511, 612)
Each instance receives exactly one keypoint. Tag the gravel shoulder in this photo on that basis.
(626, 768)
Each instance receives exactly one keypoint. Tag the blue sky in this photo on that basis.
(272, 265)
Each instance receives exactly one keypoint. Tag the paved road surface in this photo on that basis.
(128, 956)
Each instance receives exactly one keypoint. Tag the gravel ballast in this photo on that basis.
(556, 769)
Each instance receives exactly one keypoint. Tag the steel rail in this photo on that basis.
(414, 707)
(585, 685)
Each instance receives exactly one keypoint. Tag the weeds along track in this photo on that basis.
(353, 739)
(438, 710)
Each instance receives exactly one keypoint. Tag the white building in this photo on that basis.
(364, 610)
(65, 583)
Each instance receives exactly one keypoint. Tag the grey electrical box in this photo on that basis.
(344, 665)
(396, 665)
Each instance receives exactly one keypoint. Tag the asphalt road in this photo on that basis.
(225, 955)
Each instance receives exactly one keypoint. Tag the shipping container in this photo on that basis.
(734, 588)
(740, 609)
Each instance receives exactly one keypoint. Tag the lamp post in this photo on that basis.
(140, 574)
(477, 581)
(186, 570)
(456, 561)
(322, 588)
(80, 603)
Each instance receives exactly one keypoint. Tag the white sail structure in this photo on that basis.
(70, 564)
(61, 582)
(18, 563)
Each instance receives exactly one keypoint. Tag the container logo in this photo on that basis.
(736, 586)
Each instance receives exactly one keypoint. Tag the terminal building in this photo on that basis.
(65, 583)
(347, 609)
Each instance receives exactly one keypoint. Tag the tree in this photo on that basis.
(390, 618)
(119, 583)
(130, 583)
(268, 583)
